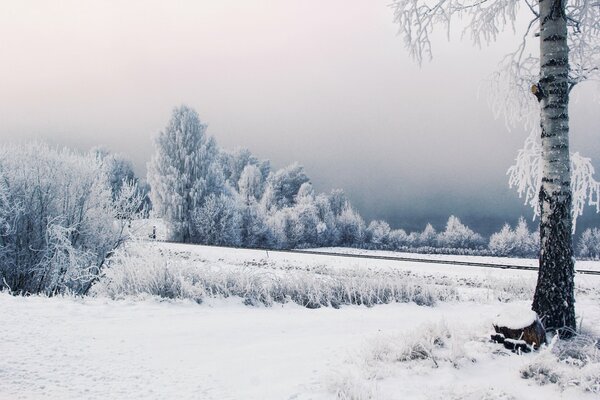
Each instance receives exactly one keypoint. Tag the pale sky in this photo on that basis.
(326, 83)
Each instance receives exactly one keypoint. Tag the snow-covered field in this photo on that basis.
(528, 262)
(144, 347)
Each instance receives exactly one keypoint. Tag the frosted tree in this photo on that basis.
(184, 170)
(283, 186)
(569, 33)
(251, 184)
(307, 217)
(254, 229)
(428, 237)
(338, 201)
(458, 236)
(502, 243)
(351, 227)
(119, 169)
(217, 221)
(234, 163)
(378, 233)
(327, 232)
(398, 238)
(517, 242)
(589, 244)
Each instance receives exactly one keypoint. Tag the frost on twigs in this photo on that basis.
(526, 176)
(510, 86)
(416, 19)
(140, 271)
(572, 363)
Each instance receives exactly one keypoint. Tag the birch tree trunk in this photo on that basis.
(554, 298)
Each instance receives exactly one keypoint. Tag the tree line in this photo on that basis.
(208, 195)
(63, 213)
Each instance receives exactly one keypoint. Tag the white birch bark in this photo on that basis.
(554, 298)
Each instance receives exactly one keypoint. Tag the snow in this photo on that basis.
(513, 317)
(96, 348)
(590, 265)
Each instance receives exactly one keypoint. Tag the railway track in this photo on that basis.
(398, 258)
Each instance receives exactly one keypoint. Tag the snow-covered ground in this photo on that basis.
(589, 265)
(147, 348)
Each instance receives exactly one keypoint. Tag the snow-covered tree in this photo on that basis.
(217, 222)
(254, 229)
(119, 168)
(589, 244)
(183, 172)
(459, 236)
(398, 238)
(307, 219)
(569, 44)
(283, 186)
(236, 161)
(378, 234)
(338, 201)
(251, 184)
(327, 231)
(518, 242)
(351, 227)
(427, 238)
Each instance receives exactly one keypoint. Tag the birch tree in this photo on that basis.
(183, 172)
(568, 36)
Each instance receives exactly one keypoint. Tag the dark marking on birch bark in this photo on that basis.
(554, 298)
(560, 62)
(554, 38)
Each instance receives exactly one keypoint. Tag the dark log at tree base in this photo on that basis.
(534, 335)
(517, 346)
(498, 338)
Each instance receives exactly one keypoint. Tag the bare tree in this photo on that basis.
(569, 53)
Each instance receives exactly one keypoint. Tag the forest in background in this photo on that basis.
(64, 213)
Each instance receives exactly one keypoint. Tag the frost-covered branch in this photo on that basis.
(526, 176)
(417, 18)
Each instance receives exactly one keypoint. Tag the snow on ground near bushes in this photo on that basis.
(144, 348)
(471, 283)
(65, 348)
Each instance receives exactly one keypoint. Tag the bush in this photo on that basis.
(567, 363)
(145, 271)
(59, 221)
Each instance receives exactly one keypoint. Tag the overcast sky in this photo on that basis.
(326, 83)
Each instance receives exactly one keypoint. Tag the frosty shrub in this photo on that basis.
(145, 271)
(589, 244)
(429, 345)
(59, 220)
(350, 385)
(518, 242)
(573, 362)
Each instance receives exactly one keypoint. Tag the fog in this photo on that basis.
(328, 84)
